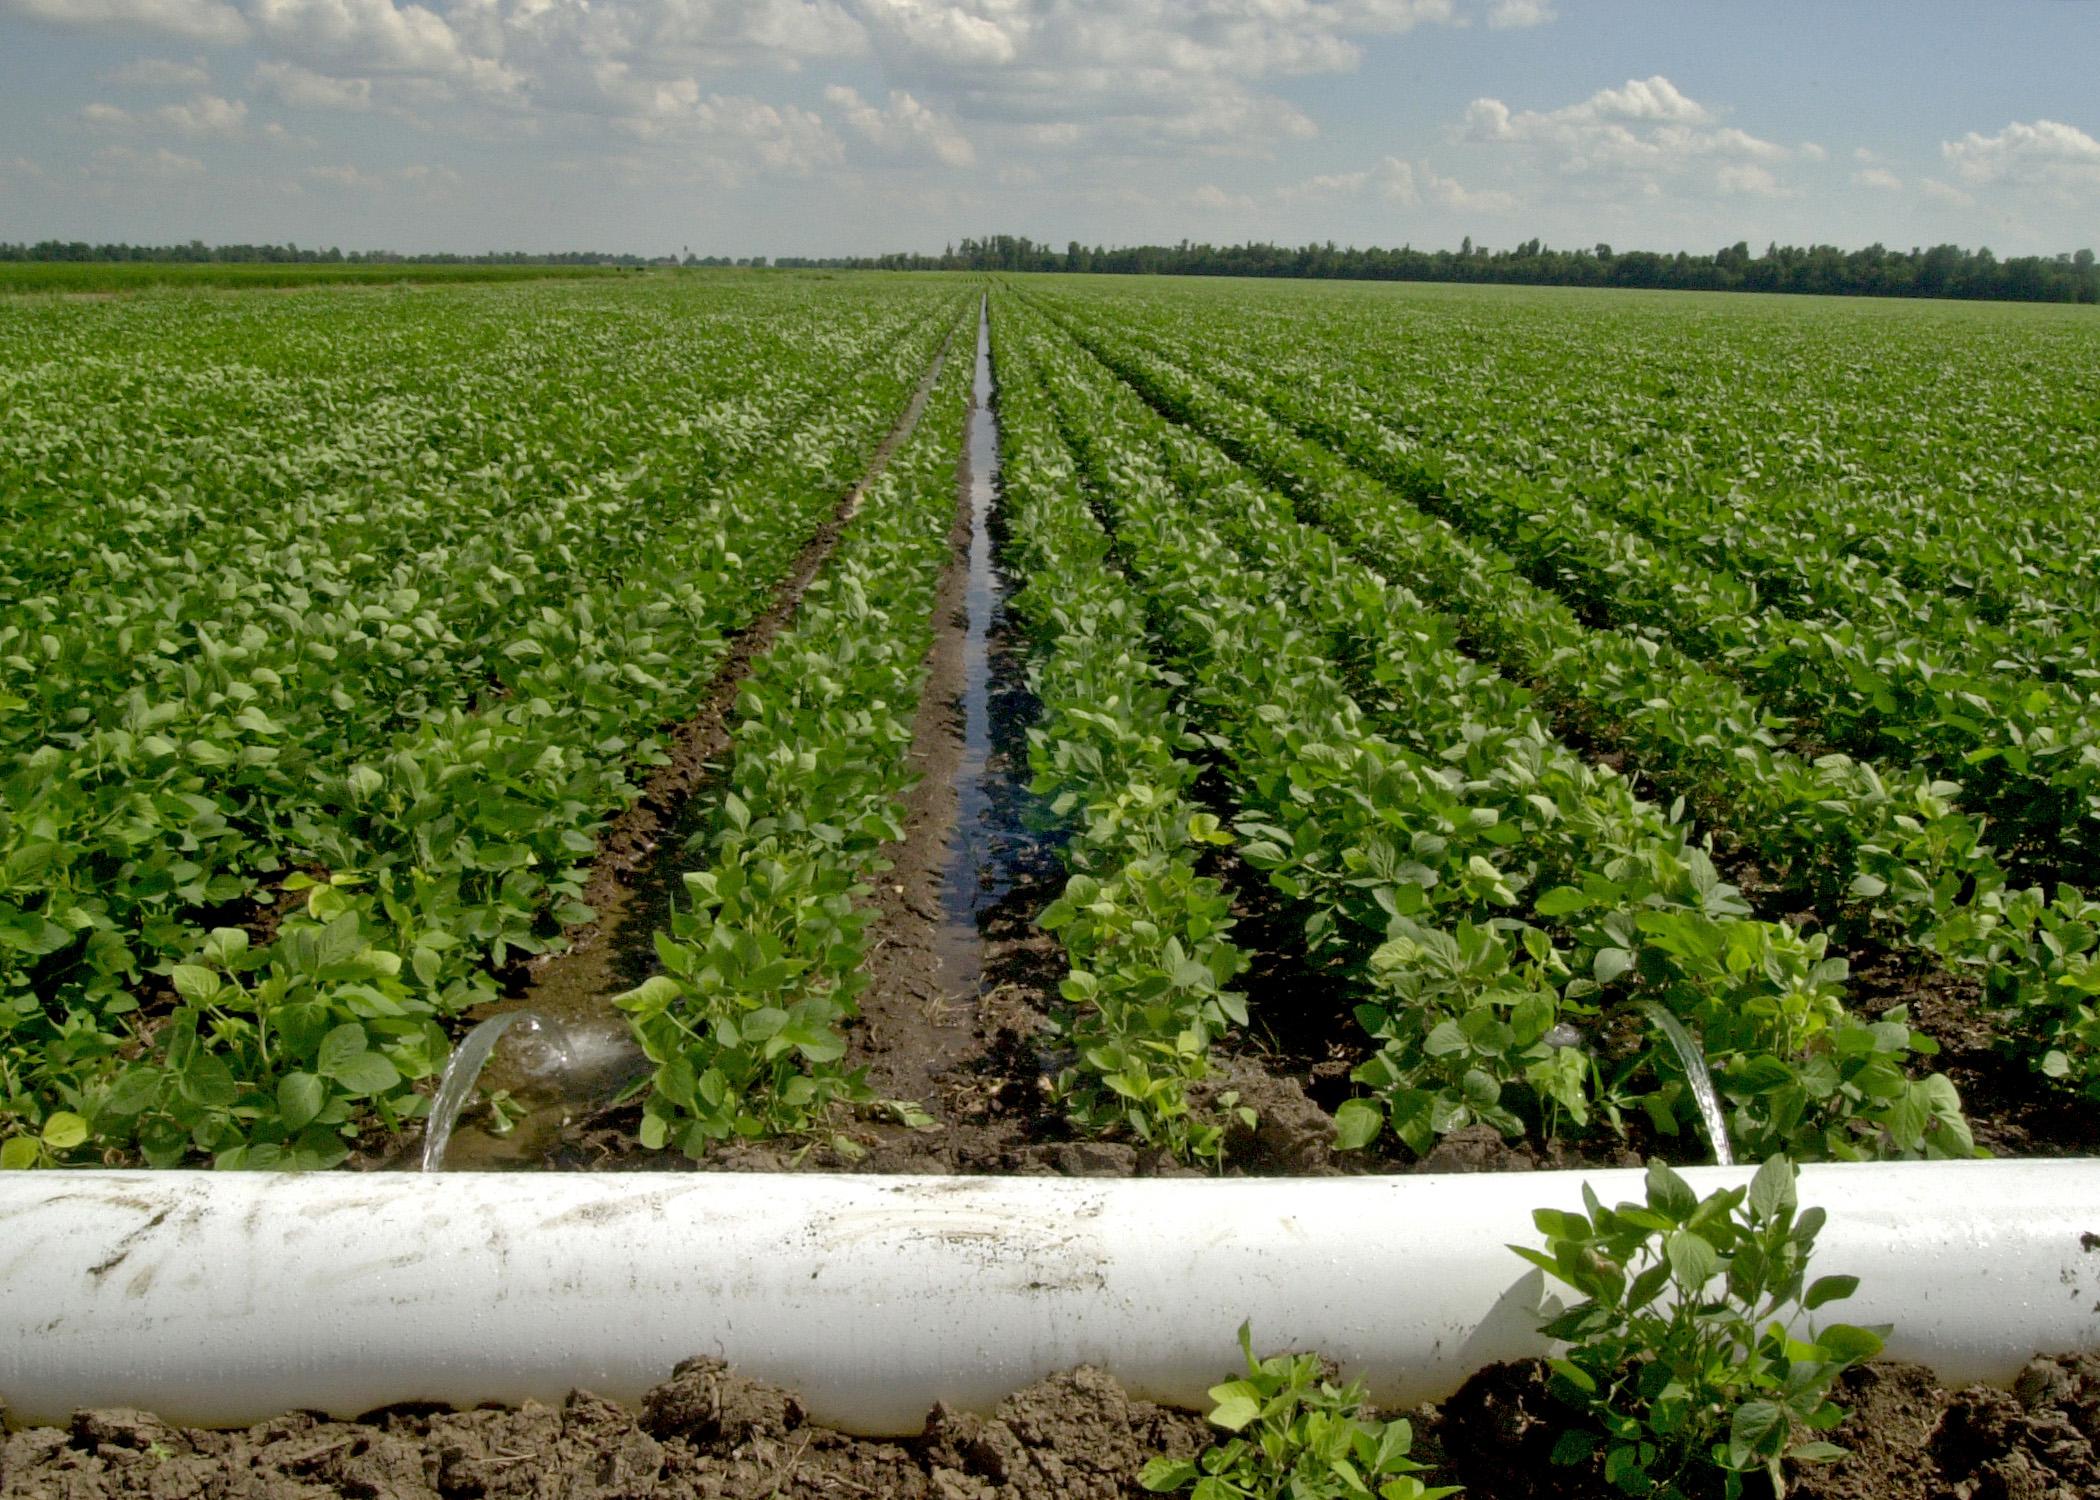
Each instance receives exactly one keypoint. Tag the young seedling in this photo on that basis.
(1681, 1356)
(1294, 1435)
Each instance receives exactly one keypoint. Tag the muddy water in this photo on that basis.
(975, 877)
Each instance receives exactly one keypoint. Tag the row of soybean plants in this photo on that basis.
(1817, 448)
(762, 962)
(509, 537)
(1491, 899)
(1879, 851)
(1863, 663)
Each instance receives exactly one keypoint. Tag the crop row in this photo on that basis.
(761, 966)
(1480, 884)
(1868, 675)
(423, 716)
(1145, 929)
(1887, 846)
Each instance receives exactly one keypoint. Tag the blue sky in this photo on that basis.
(820, 126)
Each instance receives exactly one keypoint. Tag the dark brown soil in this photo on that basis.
(2011, 1108)
(613, 952)
(1909, 1438)
(704, 1433)
(708, 1432)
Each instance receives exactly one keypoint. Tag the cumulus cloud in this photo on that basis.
(1638, 135)
(1509, 15)
(303, 88)
(190, 20)
(206, 114)
(1946, 193)
(2044, 153)
(903, 126)
(157, 164)
(1397, 180)
(1878, 177)
(1453, 194)
(160, 73)
(1210, 198)
(1148, 74)
(1748, 180)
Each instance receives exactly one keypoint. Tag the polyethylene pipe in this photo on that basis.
(221, 1299)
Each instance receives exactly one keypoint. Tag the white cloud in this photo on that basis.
(903, 126)
(20, 166)
(734, 133)
(1210, 198)
(1945, 192)
(160, 163)
(302, 88)
(191, 20)
(1147, 75)
(160, 73)
(1748, 180)
(1638, 135)
(375, 36)
(1398, 180)
(1452, 194)
(207, 114)
(2045, 153)
(345, 176)
(1878, 177)
(1506, 15)
(1810, 151)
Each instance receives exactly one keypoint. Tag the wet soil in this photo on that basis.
(644, 851)
(707, 1432)
(1909, 1438)
(641, 852)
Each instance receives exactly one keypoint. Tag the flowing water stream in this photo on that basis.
(975, 877)
(1694, 1059)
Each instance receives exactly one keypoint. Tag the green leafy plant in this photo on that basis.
(1295, 1435)
(1682, 1355)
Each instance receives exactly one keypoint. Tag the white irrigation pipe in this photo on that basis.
(223, 1299)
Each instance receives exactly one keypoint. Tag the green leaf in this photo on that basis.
(299, 1099)
(19, 1153)
(1826, 1289)
(1610, 963)
(194, 983)
(339, 1047)
(1237, 1402)
(1357, 1123)
(1561, 901)
(1756, 1429)
(1161, 1475)
(1847, 1343)
(1772, 1189)
(1693, 1261)
(366, 1073)
(63, 1130)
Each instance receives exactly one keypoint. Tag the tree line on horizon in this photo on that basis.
(1821, 270)
(1825, 270)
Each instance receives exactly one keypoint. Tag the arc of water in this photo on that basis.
(1693, 1057)
(463, 1070)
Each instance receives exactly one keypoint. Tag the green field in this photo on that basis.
(129, 276)
(1501, 667)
